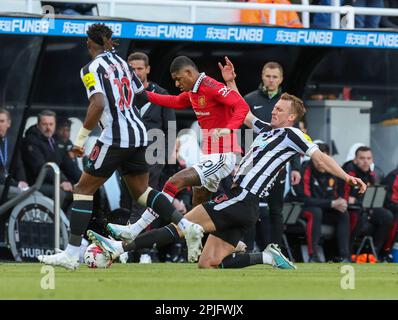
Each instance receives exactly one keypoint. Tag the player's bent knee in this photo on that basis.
(142, 199)
(208, 262)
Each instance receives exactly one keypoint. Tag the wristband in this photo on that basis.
(82, 137)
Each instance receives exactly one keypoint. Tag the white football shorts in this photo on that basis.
(212, 168)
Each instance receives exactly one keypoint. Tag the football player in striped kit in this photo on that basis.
(111, 86)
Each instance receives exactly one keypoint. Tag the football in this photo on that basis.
(94, 257)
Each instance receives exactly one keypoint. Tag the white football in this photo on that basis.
(94, 257)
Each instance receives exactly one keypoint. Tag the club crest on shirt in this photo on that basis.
(331, 182)
(202, 101)
(260, 141)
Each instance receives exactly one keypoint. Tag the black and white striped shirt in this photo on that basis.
(269, 153)
(121, 122)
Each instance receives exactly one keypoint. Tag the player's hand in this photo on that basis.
(227, 71)
(295, 177)
(67, 186)
(340, 204)
(218, 133)
(78, 151)
(356, 182)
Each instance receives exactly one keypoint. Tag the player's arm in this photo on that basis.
(181, 101)
(228, 74)
(252, 122)
(93, 116)
(331, 166)
(95, 94)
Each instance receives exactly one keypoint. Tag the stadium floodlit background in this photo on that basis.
(347, 78)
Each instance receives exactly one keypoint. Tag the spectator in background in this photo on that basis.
(18, 180)
(283, 18)
(323, 20)
(154, 116)
(83, 9)
(391, 203)
(62, 139)
(367, 21)
(389, 22)
(380, 219)
(318, 191)
(38, 148)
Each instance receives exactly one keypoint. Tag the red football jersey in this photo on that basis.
(215, 106)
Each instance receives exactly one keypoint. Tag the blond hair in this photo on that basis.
(297, 105)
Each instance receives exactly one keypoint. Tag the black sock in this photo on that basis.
(241, 260)
(162, 206)
(159, 237)
(80, 218)
(235, 260)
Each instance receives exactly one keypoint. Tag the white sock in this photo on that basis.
(146, 219)
(184, 224)
(83, 246)
(267, 258)
(73, 251)
(118, 245)
(168, 196)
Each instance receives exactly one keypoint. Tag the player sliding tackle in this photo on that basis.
(229, 216)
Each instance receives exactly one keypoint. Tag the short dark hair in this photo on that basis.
(324, 147)
(46, 113)
(64, 122)
(101, 35)
(139, 56)
(273, 65)
(181, 62)
(6, 112)
(362, 149)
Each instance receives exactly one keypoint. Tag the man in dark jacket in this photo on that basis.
(261, 103)
(39, 147)
(391, 203)
(318, 191)
(380, 219)
(7, 148)
(154, 116)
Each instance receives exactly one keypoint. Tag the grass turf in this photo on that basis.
(185, 281)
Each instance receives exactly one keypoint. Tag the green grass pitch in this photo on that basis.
(186, 281)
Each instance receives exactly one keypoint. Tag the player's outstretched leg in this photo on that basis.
(271, 256)
(61, 259)
(157, 237)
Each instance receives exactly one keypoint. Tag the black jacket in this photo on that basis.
(345, 190)
(36, 151)
(157, 117)
(19, 170)
(261, 106)
(391, 181)
(316, 189)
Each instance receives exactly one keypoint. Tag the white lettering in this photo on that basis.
(48, 281)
